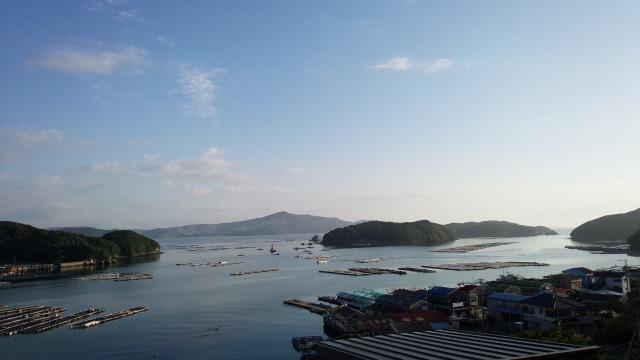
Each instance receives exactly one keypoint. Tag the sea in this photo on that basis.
(202, 312)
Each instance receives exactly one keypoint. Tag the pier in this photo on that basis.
(379, 271)
(315, 308)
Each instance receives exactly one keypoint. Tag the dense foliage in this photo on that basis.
(379, 233)
(131, 243)
(634, 241)
(616, 227)
(496, 229)
(22, 243)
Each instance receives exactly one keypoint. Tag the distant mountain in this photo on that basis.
(634, 241)
(83, 230)
(379, 233)
(275, 224)
(26, 244)
(496, 229)
(609, 228)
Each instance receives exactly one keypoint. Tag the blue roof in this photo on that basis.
(506, 297)
(440, 291)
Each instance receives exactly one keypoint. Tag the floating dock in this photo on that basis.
(253, 272)
(115, 277)
(484, 265)
(467, 248)
(379, 271)
(344, 272)
(420, 270)
(108, 318)
(315, 308)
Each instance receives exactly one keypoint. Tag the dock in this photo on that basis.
(420, 270)
(253, 272)
(474, 247)
(484, 265)
(115, 277)
(329, 300)
(315, 308)
(108, 318)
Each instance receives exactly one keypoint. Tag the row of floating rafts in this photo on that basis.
(214, 264)
(115, 277)
(107, 318)
(240, 273)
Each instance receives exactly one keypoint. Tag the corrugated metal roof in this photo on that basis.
(506, 297)
(444, 345)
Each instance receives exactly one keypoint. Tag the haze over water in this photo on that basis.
(203, 313)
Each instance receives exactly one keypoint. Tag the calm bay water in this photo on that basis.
(203, 313)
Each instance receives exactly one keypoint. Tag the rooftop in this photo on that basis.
(445, 345)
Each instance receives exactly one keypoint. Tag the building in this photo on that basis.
(610, 280)
(449, 345)
(630, 282)
(505, 307)
(549, 310)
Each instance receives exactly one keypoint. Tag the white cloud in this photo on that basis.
(48, 182)
(150, 157)
(111, 166)
(199, 87)
(438, 65)
(37, 137)
(103, 62)
(395, 64)
(407, 64)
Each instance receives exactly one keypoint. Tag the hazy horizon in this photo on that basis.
(129, 114)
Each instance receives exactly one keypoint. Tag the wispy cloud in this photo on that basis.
(37, 137)
(201, 90)
(395, 64)
(438, 65)
(100, 62)
(408, 64)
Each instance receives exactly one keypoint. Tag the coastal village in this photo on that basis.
(577, 305)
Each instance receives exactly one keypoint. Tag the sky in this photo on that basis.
(141, 114)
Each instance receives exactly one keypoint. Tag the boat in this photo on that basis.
(322, 261)
(273, 249)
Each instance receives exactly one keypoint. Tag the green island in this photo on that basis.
(496, 229)
(616, 228)
(380, 233)
(21, 243)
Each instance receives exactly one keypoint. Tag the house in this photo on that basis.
(401, 300)
(548, 310)
(608, 279)
(505, 307)
(581, 272)
(360, 299)
(565, 280)
(452, 301)
(597, 298)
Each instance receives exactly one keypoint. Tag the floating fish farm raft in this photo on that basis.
(253, 272)
(420, 270)
(484, 265)
(467, 248)
(115, 277)
(37, 319)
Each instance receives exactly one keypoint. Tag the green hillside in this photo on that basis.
(379, 233)
(22, 243)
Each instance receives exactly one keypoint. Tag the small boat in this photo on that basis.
(273, 249)
(322, 261)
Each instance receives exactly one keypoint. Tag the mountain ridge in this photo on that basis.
(609, 228)
(495, 228)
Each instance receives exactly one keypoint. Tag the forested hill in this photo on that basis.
(379, 233)
(609, 228)
(496, 229)
(22, 243)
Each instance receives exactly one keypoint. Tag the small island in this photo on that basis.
(616, 228)
(25, 244)
(496, 229)
(380, 233)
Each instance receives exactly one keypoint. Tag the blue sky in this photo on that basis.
(117, 113)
